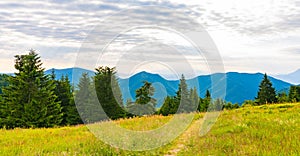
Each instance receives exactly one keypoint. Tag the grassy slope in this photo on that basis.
(262, 130)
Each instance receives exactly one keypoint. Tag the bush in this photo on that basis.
(249, 102)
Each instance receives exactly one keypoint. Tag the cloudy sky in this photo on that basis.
(250, 35)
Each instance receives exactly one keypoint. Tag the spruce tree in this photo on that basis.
(266, 93)
(29, 99)
(64, 93)
(194, 98)
(204, 103)
(145, 103)
(182, 96)
(282, 97)
(86, 100)
(3, 82)
(168, 107)
(109, 92)
(144, 94)
(294, 94)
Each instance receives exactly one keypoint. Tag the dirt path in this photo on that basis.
(183, 140)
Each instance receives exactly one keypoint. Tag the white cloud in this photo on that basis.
(251, 35)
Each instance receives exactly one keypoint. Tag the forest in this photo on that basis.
(32, 99)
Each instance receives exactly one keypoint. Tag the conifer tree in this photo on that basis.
(266, 93)
(145, 103)
(168, 107)
(85, 100)
(145, 93)
(3, 81)
(194, 98)
(204, 103)
(64, 93)
(183, 101)
(182, 96)
(109, 92)
(294, 94)
(282, 97)
(29, 99)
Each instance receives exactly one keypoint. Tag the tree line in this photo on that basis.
(32, 99)
(267, 94)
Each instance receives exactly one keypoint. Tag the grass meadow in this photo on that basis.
(250, 130)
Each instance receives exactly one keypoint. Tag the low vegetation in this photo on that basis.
(250, 130)
(34, 107)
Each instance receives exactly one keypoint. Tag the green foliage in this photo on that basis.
(250, 103)
(144, 94)
(82, 96)
(248, 131)
(294, 94)
(185, 101)
(145, 103)
(216, 105)
(204, 103)
(282, 97)
(245, 131)
(266, 93)
(64, 93)
(3, 81)
(169, 106)
(140, 110)
(109, 93)
(230, 106)
(182, 97)
(194, 99)
(87, 101)
(29, 100)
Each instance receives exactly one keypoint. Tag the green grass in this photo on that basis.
(259, 130)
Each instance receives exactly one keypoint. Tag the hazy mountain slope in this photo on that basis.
(239, 86)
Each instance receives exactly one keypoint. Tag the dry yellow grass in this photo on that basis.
(261, 130)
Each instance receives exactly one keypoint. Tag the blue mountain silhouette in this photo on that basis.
(239, 86)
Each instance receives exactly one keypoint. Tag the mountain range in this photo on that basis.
(239, 86)
(293, 77)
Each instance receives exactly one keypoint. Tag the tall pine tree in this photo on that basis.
(29, 100)
(109, 92)
(145, 93)
(294, 94)
(266, 93)
(145, 103)
(3, 81)
(204, 103)
(87, 101)
(182, 97)
(180, 103)
(169, 106)
(194, 98)
(64, 93)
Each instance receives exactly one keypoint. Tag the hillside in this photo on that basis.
(239, 86)
(73, 74)
(260, 130)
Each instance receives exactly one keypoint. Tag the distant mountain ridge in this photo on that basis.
(239, 86)
(293, 77)
(74, 79)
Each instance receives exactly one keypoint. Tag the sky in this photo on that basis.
(249, 35)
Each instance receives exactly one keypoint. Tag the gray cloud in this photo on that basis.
(57, 27)
(279, 17)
